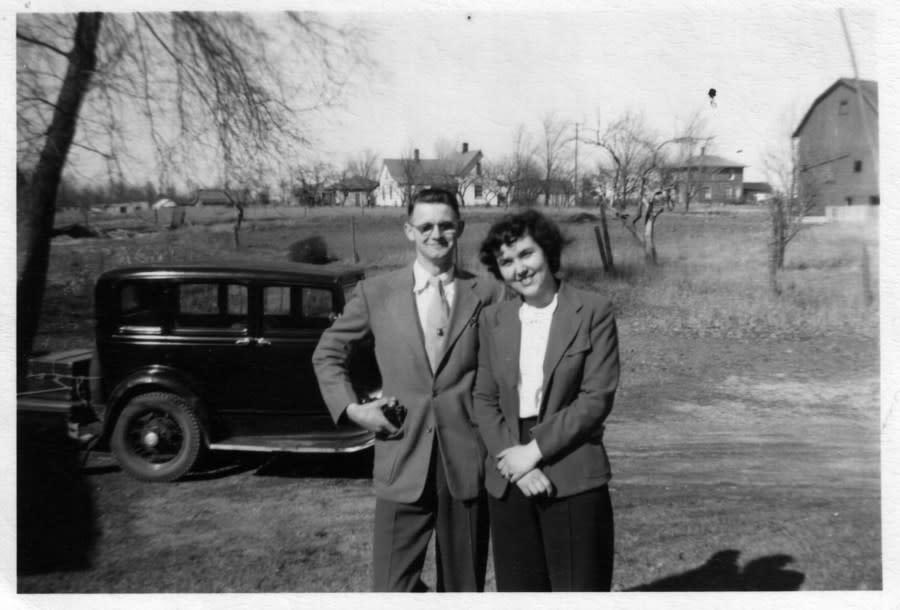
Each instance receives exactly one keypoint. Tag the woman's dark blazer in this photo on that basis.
(581, 373)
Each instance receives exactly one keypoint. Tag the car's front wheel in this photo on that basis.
(157, 437)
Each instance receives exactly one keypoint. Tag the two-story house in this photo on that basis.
(708, 179)
(837, 145)
(460, 172)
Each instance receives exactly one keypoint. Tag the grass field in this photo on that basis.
(744, 441)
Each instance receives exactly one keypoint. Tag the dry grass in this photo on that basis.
(711, 280)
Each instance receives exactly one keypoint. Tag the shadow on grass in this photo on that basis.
(57, 520)
(721, 572)
(323, 466)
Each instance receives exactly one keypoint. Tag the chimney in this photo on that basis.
(416, 155)
(465, 147)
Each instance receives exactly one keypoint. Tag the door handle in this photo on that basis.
(244, 341)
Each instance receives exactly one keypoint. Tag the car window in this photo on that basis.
(211, 305)
(141, 306)
(297, 307)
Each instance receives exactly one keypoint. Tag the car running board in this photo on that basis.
(321, 443)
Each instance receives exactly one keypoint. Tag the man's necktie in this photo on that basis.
(437, 318)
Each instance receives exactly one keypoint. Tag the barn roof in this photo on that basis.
(869, 90)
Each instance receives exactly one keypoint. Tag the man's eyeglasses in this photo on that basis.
(444, 228)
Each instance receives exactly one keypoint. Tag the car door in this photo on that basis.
(210, 341)
(292, 317)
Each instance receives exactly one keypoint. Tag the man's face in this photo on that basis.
(434, 229)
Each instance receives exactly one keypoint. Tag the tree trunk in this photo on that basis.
(779, 233)
(45, 183)
(774, 288)
(776, 244)
(649, 244)
(602, 248)
(606, 242)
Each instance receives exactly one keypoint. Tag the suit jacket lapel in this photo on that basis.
(508, 335)
(464, 307)
(563, 328)
(402, 305)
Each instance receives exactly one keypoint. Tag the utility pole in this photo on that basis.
(577, 189)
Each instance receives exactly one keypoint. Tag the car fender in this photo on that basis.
(153, 378)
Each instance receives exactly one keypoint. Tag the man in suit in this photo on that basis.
(429, 470)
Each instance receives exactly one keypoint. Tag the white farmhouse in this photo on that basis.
(460, 172)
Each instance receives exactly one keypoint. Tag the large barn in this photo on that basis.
(837, 145)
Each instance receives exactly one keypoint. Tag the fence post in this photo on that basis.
(353, 238)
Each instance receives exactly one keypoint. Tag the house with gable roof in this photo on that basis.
(355, 191)
(837, 145)
(460, 172)
(708, 179)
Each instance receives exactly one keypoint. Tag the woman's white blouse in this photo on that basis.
(535, 334)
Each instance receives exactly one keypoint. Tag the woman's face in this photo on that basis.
(525, 269)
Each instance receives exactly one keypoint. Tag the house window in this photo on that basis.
(732, 175)
(478, 191)
(844, 107)
(849, 200)
(874, 200)
(857, 166)
(706, 193)
(478, 169)
(123, 210)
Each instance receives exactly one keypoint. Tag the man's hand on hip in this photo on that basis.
(370, 416)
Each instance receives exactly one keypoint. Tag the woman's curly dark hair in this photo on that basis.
(513, 227)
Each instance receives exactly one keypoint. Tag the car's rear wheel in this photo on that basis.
(157, 437)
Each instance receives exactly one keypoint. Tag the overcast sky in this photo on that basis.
(474, 76)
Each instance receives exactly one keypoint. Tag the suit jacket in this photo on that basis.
(581, 373)
(438, 403)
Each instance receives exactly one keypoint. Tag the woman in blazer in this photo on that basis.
(548, 367)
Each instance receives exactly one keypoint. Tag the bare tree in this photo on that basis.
(411, 176)
(444, 148)
(687, 176)
(636, 168)
(630, 158)
(310, 180)
(366, 164)
(553, 152)
(196, 85)
(520, 171)
(794, 198)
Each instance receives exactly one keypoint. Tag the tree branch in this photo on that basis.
(40, 43)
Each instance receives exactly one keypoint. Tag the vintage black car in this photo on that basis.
(198, 357)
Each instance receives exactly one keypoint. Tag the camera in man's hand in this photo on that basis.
(395, 413)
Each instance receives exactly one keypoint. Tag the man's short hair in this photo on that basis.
(434, 195)
(512, 227)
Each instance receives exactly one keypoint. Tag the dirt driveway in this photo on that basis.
(738, 465)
